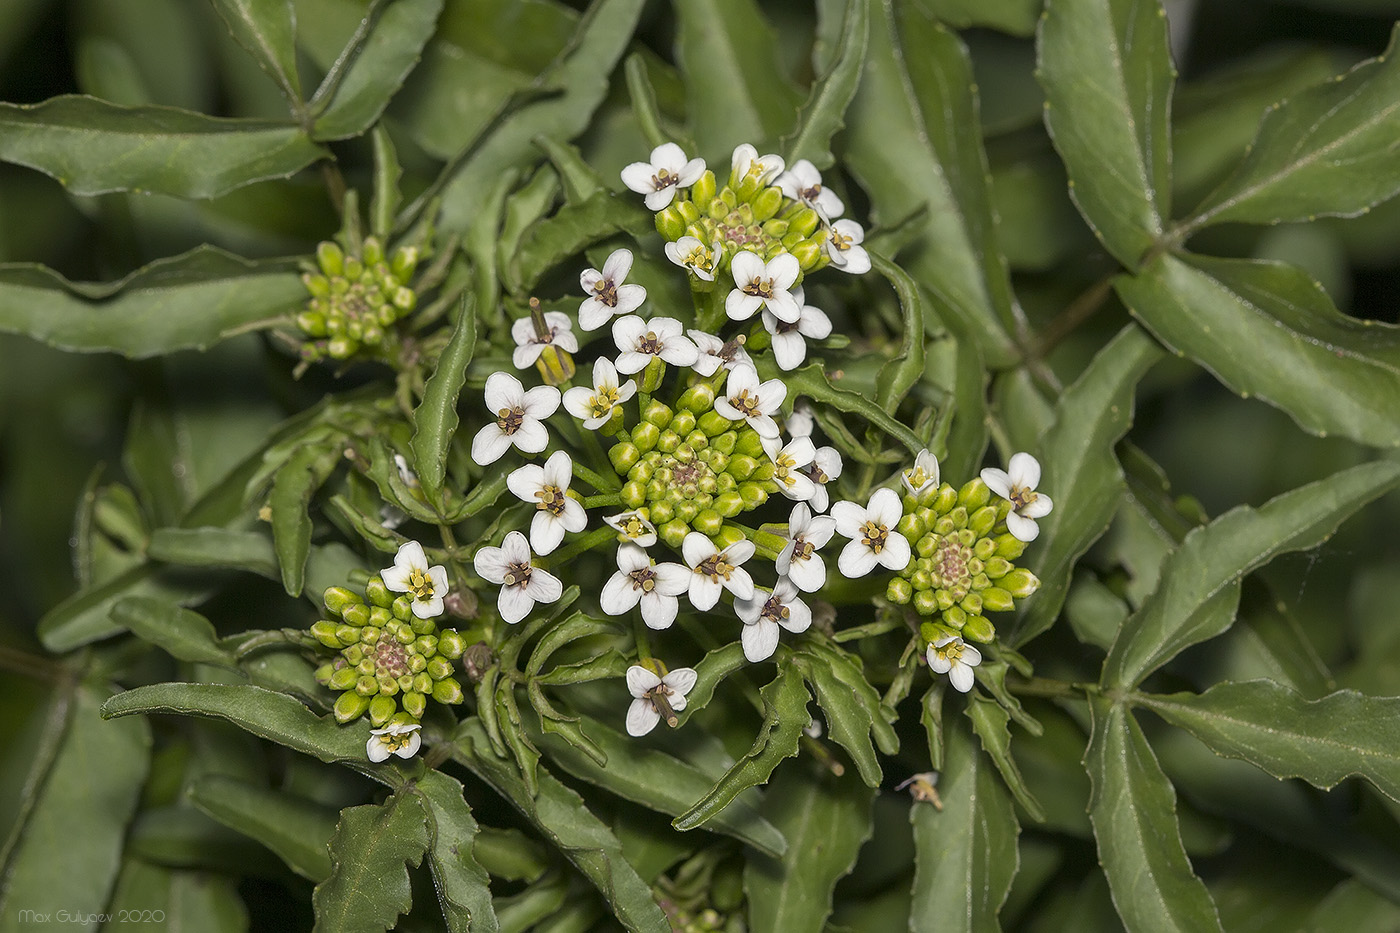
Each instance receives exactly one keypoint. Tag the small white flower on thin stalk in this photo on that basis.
(747, 162)
(874, 542)
(716, 354)
(594, 407)
(801, 422)
(1018, 486)
(638, 580)
(843, 239)
(659, 178)
(799, 560)
(633, 527)
(826, 466)
(952, 656)
(522, 583)
(803, 183)
(790, 337)
(691, 253)
(923, 788)
(555, 510)
(529, 344)
(642, 341)
(411, 574)
(763, 613)
(759, 284)
(746, 399)
(518, 418)
(790, 463)
(607, 295)
(923, 476)
(715, 570)
(396, 738)
(656, 698)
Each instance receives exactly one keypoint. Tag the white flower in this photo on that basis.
(803, 183)
(763, 613)
(843, 239)
(641, 341)
(396, 738)
(555, 510)
(759, 284)
(522, 584)
(406, 474)
(952, 656)
(633, 527)
(411, 574)
(922, 787)
(799, 560)
(716, 570)
(747, 162)
(529, 344)
(826, 466)
(716, 354)
(659, 178)
(789, 347)
(801, 422)
(655, 586)
(690, 253)
(745, 399)
(595, 407)
(651, 694)
(606, 293)
(873, 538)
(518, 416)
(923, 476)
(790, 464)
(1019, 487)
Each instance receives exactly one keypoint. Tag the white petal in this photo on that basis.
(558, 470)
(749, 610)
(740, 583)
(637, 176)
(629, 299)
(799, 617)
(971, 656)
(376, 750)
(849, 517)
(630, 361)
(544, 587)
(396, 578)
(746, 266)
(640, 680)
(856, 560)
(1023, 529)
(696, 547)
(531, 437)
(937, 662)
(589, 280)
(415, 742)
(771, 395)
(659, 611)
(1039, 507)
(763, 424)
(525, 481)
(489, 444)
(642, 717)
(618, 595)
(678, 351)
(896, 552)
(1024, 470)
(726, 410)
(783, 269)
(857, 261)
(490, 564)
(617, 266)
(627, 331)
(540, 402)
(808, 575)
(514, 604)
(789, 350)
(997, 481)
(740, 306)
(502, 391)
(821, 529)
(593, 314)
(784, 307)
(962, 677)
(704, 592)
(681, 681)
(669, 156)
(546, 532)
(739, 551)
(516, 548)
(429, 608)
(814, 323)
(760, 640)
(672, 579)
(631, 558)
(577, 399)
(885, 508)
(659, 199)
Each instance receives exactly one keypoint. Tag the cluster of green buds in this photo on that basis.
(386, 656)
(356, 300)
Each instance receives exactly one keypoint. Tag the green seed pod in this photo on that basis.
(414, 703)
(910, 526)
(669, 222)
(996, 599)
(337, 599)
(451, 644)
(447, 691)
(673, 532)
(1009, 547)
(330, 258)
(350, 706)
(343, 679)
(380, 709)
(698, 399)
(768, 202)
(1020, 583)
(645, 436)
(623, 457)
(974, 494)
(324, 632)
(899, 591)
(729, 504)
(704, 189)
(979, 628)
(753, 495)
(633, 495)
(713, 423)
(925, 603)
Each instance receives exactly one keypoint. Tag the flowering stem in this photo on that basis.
(766, 544)
(597, 480)
(639, 632)
(611, 500)
(588, 542)
(823, 755)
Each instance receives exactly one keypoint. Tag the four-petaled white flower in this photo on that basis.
(789, 345)
(763, 613)
(638, 580)
(522, 583)
(1018, 486)
(411, 574)
(923, 475)
(518, 418)
(607, 295)
(594, 407)
(746, 161)
(746, 399)
(803, 183)
(642, 341)
(555, 510)
(873, 538)
(826, 466)
(843, 239)
(691, 253)
(529, 344)
(716, 353)
(651, 695)
(633, 527)
(396, 738)
(759, 284)
(952, 656)
(790, 466)
(798, 560)
(659, 178)
(714, 570)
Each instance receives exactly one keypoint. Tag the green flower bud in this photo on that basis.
(355, 654)
(669, 222)
(341, 348)
(683, 423)
(983, 520)
(380, 709)
(1009, 547)
(764, 473)
(955, 616)
(343, 679)
(417, 663)
(729, 504)
(713, 423)
(724, 443)
(623, 457)
(662, 512)
(405, 262)
(926, 545)
(369, 634)
(673, 532)
(708, 522)
(422, 683)
(899, 591)
(1020, 583)
(750, 444)
(451, 644)
(768, 202)
(388, 685)
(377, 593)
(741, 467)
(958, 517)
(354, 268)
(380, 617)
(657, 413)
(447, 691)
(312, 323)
(414, 703)
(645, 436)
(330, 258)
(686, 512)
(803, 222)
(356, 615)
(690, 213)
(972, 604)
(698, 399)
(350, 706)
(337, 599)
(984, 548)
(979, 628)
(422, 626)
(728, 535)
(925, 604)
(910, 526)
(753, 494)
(921, 579)
(372, 251)
(997, 567)
(633, 494)
(408, 681)
(324, 632)
(704, 189)
(945, 500)
(438, 668)
(809, 255)
(996, 599)
(974, 494)
(669, 441)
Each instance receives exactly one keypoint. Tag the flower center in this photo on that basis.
(603, 400)
(510, 419)
(390, 658)
(663, 179)
(746, 404)
(1021, 497)
(658, 697)
(395, 742)
(650, 344)
(420, 584)
(840, 242)
(607, 292)
(950, 564)
(873, 536)
(517, 574)
(802, 549)
(775, 611)
(783, 469)
(700, 258)
(644, 579)
(918, 476)
(763, 288)
(812, 193)
(716, 567)
(951, 652)
(552, 500)
(633, 527)
(817, 474)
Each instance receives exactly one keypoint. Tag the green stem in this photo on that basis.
(639, 633)
(596, 538)
(608, 500)
(597, 480)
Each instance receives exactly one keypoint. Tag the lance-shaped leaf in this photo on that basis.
(463, 885)
(296, 829)
(990, 722)
(1199, 587)
(1133, 809)
(851, 705)
(191, 301)
(824, 113)
(86, 616)
(368, 886)
(1269, 725)
(93, 147)
(1107, 73)
(1328, 150)
(182, 633)
(292, 490)
(811, 380)
(435, 419)
(898, 375)
(215, 547)
(267, 29)
(573, 227)
(1267, 329)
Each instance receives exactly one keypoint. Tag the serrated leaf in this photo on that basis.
(368, 887)
(990, 722)
(1276, 728)
(709, 673)
(1107, 72)
(464, 889)
(384, 203)
(1133, 809)
(811, 380)
(824, 113)
(267, 29)
(214, 547)
(1017, 17)
(435, 419)
(181, 633)
(1266, 329)
(296, 829)
(569, 231)
(897, 376)
(850, 704)
(1199, 588)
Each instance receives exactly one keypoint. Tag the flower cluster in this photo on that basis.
(356, 300)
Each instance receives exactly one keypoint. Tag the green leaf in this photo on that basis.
(267, 29)
(93, 147)
(1328, 150)
(181, 633)
(273, 716)
(709, 673)
(1353, 908)
(292, 490)
(368, 886)
(966, 852)
(898, 375)
(811, 380)
(575, 226)
(1278, 729)
(1133, 809)
(214, 547)
(384, 203)
(85, 616)
(1017, 17)
(851, 705)
(784, 717)
(989, 721)
(464, 889)
(826, 819)
(1081, 473)
(296, 829)
(191, 301)
(824, 113)
(1331, 373)
(1107, 74)
(1199, 588)
(435, 419)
